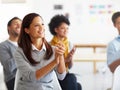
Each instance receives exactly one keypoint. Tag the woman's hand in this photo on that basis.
(59, 51)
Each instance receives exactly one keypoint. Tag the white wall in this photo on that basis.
(8, 11)
(85, 27)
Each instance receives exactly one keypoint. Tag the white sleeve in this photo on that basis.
(61, 76)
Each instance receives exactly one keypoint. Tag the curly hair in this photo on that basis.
(56, 22)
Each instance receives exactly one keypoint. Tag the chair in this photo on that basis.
(56, 83)
(113, 68)
(116, 79)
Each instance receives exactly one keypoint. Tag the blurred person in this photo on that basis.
(35, 58)
(113, 48)
(59, 27)
(7, 49)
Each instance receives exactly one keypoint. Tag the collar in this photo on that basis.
(14, 43)
(43, 47)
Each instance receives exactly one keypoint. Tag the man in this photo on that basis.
(7, 49)
(113, 48)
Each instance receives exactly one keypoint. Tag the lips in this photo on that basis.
(41, 32)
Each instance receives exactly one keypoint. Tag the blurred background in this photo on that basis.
(91, 26)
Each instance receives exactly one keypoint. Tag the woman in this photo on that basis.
(59, 26)
(35, 58)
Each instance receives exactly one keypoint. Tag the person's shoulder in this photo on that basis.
(4, 43)
(115, 43)
(71, 45)
(112, 42)
(19, 49)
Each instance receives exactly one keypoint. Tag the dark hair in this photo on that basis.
(56, 22)
(10, 21)
(115, 16)
(24, 40)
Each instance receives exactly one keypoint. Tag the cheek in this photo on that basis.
(31, 33)
(65, 32)
(117, 26)
(62, 31)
